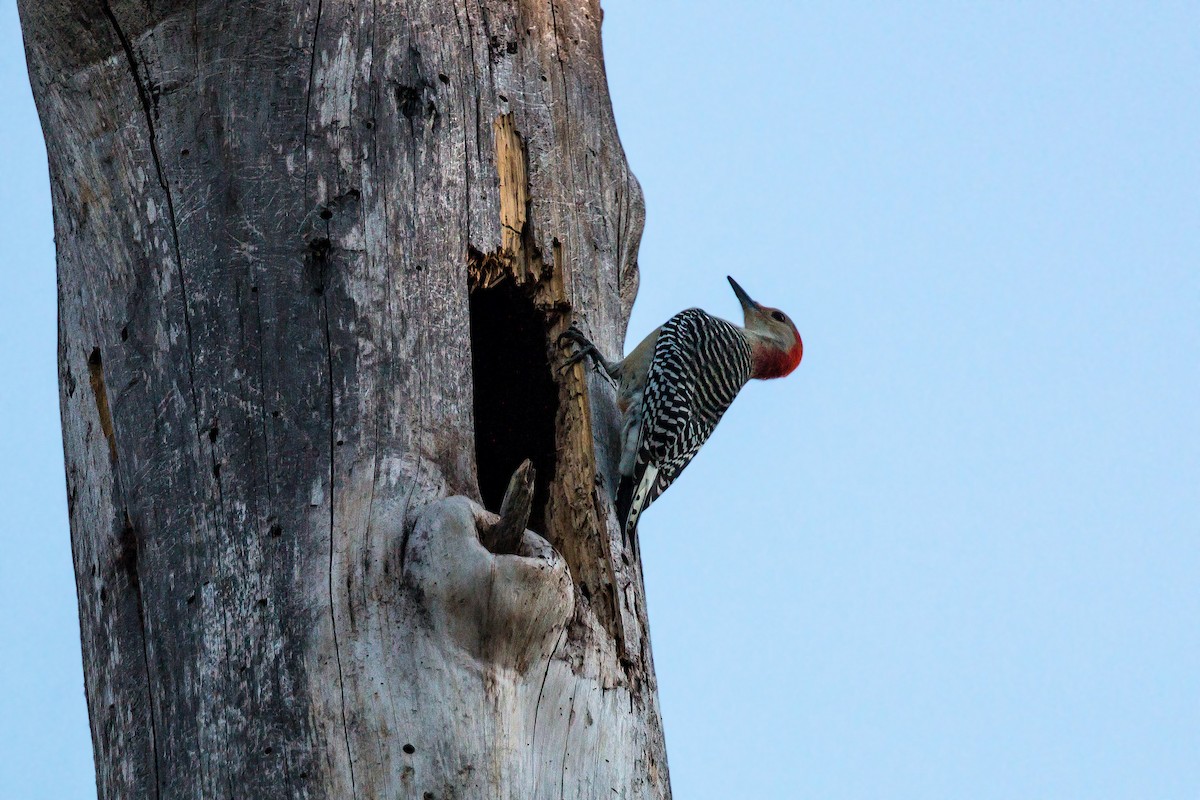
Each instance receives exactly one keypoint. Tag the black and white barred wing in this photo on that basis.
(700, 364)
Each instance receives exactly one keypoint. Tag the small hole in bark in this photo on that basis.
(191, 599)
(320, 245)
(268, 750)
(326, 214)
(217, 471)
(276, 530)
(213, 433)
(443, 78)
(185, 152)
(408, 748)
(340, 442)
(516, 398)
(103, 594)
(262, 602)
(408, 100)
(124, 334)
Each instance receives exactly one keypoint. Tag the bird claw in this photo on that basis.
(571, 336)
(572, 360)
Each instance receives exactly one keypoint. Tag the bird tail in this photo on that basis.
(633, 495)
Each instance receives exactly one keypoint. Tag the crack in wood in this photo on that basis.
(130, 57)
(537, 707)
(319, 253)
(152, 139)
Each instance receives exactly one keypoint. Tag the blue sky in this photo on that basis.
(957, 553)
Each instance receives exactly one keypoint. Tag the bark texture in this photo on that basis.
(312, 258)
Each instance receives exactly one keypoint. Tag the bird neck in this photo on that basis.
(769, 359)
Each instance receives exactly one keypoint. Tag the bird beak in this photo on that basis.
(748, 305)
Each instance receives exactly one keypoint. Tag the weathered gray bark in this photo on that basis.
(270, 220)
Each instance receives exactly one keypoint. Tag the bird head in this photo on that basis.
(775, 340)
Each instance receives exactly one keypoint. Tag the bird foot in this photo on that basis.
(573, 338)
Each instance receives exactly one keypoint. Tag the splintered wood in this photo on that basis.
(519, 257)
(514, 197)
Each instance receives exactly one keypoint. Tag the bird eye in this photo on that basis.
(778, 316)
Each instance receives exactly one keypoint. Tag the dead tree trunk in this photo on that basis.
(312, 260)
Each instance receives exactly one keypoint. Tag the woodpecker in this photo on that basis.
(677, 383)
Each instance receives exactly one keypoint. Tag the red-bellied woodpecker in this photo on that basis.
(674, 387)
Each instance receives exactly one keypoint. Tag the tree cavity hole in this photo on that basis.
(516, 397)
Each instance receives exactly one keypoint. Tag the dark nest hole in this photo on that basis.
(516, 398)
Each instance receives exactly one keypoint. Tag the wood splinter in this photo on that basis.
(504, 537)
